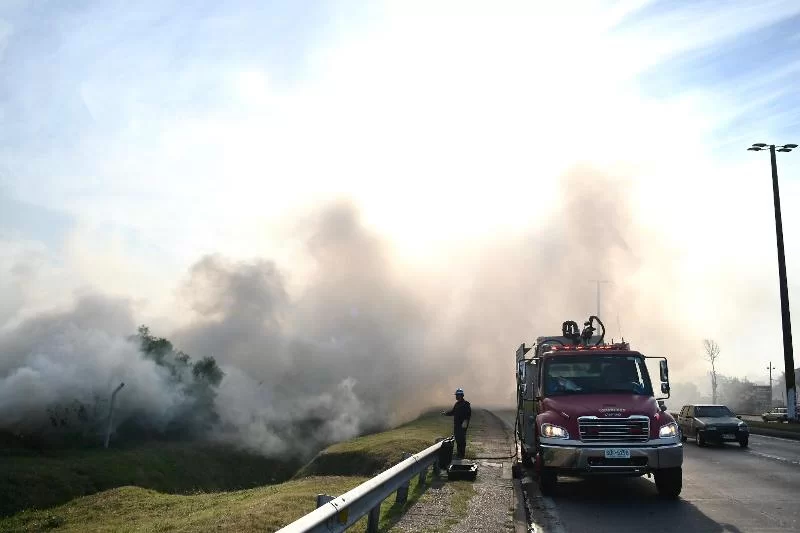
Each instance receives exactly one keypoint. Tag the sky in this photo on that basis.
(137, 139)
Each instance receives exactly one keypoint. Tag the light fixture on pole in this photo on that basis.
(788, 356)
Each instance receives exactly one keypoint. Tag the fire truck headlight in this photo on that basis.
(668, 431)
(551, 431)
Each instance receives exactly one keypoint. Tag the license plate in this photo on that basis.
(728, 436)
(618, 453)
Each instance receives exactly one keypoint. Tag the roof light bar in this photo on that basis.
(579, 347)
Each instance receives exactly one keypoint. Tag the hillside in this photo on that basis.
(41, 480)
(334, 471)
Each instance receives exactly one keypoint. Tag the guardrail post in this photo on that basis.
(402, 491)
(435, 468)
(322, 499)
(374, 519)
(422, 476)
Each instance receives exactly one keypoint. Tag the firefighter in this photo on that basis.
(461, 413)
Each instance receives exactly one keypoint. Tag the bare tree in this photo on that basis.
(712, 354)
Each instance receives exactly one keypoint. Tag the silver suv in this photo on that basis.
(778, 414)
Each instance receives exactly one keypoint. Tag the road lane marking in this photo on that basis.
(788, 441)
(775, 457)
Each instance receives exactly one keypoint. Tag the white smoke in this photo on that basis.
(78, 355)
(346, 339)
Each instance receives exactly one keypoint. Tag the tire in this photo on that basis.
(669, 482)
(548, 481)
(527, 461)
(683, 438)
(743, 442)
(699, 439)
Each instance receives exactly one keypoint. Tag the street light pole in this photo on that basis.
(770, 368)
(788, 356)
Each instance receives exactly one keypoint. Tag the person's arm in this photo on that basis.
(448, 413)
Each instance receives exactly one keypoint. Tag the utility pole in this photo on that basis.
(788, 356)
(599, 281)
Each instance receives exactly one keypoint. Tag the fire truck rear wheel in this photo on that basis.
(669, 482)
(548, 480)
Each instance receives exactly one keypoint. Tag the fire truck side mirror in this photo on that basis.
(664, 371)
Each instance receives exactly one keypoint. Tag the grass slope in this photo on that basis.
(268, 508)
(136, 509)
(41, 481)
(371, 454)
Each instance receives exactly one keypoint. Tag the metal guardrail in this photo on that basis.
(340, 513)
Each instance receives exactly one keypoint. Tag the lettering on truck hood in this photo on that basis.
(602, 405)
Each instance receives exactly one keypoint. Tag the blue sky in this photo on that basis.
(136, 137)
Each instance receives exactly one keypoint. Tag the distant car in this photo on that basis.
(708, 423)
(778, 414)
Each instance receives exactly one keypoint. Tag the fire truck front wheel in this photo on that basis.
(527, 460)
(548, 479)
(669, 482)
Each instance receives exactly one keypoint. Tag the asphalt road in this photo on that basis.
(726, 489)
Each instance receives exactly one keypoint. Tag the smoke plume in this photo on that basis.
(349, 338)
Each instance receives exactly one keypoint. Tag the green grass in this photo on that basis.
(134, 509)
(41, 481)
(266, 508)
(128, 509)
(371, 454)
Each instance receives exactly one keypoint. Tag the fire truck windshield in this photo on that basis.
(596, 374)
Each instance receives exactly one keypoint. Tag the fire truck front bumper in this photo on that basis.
(614, 459)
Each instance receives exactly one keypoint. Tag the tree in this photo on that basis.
(712, 354)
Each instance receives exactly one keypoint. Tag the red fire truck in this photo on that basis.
(586, 407)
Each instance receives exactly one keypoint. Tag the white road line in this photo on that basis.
(775, 457)
(788, 441)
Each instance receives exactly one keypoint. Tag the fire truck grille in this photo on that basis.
(633, 429)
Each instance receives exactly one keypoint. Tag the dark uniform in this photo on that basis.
(461, 412)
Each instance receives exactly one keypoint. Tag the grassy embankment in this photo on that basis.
(43, 479)
(267, 508)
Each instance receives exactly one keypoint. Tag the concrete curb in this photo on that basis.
(518, 504)
(541, 510)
